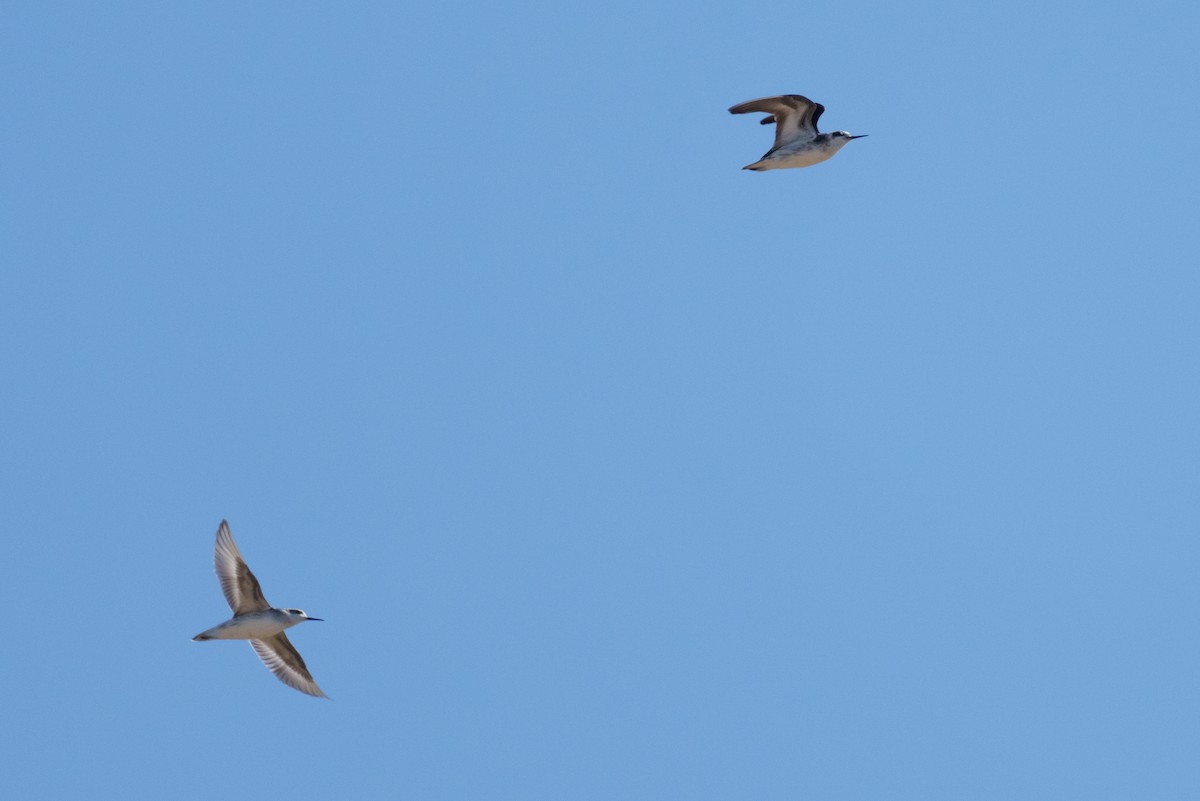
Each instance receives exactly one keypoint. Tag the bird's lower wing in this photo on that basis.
(282, 659)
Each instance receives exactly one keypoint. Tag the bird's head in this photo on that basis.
(842, 137)
(298, 615)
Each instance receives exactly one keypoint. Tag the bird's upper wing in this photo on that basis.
(795, 116)
(282, 659)
(240, 586)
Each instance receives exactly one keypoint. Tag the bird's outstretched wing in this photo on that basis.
(241, 588)
(282, 659)
(795, 116)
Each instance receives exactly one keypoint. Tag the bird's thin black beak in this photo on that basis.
(860, 136)
(316, 618)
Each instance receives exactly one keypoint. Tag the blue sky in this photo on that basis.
(615, 471)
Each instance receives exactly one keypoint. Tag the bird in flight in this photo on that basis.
(256, 620)
(797, 141)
